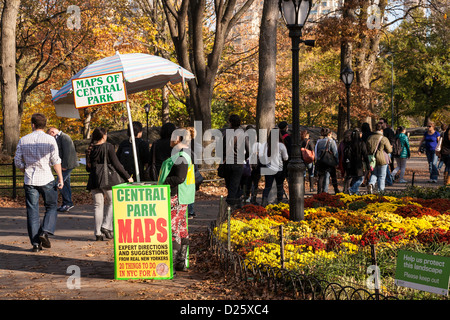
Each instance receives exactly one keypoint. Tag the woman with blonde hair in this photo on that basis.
(178, 172)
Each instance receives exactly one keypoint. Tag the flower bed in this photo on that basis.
(337, 227)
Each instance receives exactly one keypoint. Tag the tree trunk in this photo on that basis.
(190, 47)
(87, 124)
(265, 104)
(165, 110)
(367, 51)
(346, 61)
(11, 119)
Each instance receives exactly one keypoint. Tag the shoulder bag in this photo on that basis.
(327, 157)
(107, 176)
(373, 157)
(152, 172)
(307, 155)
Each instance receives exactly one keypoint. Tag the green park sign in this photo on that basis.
(423, 272)
(99, 90)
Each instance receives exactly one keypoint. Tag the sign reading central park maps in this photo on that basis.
(142, 232)
(99, 90)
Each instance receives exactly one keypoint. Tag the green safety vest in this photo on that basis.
(186, 190)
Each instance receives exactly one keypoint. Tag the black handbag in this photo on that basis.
(221, 170)
(327, 157)
(107, 176)
(152, 173)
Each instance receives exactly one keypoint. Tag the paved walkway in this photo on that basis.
(44, 275)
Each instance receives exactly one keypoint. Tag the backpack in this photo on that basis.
(126, 157)
(396, 147)
(348, 157)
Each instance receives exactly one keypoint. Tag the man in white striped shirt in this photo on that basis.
(36, 153)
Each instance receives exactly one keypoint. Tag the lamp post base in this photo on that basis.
(296, 180)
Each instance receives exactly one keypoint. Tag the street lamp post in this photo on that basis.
(347, 76)
(147, 110)
(295, 13)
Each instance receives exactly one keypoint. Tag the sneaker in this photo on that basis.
(191, 215)
(370, 188)
(65, 208)
(402, 181)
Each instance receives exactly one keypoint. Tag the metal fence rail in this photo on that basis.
(12, 179)
(285, 282)
(278, 279)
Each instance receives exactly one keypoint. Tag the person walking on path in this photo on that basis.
(274, 165)
(69, 161)
(430, 140)
(236, 151)
(390, 134)
(324, 145)
(97, 152)
(307, 144)
(355, 162)
(444, 152)
(378, 145)
(36, 153)
(405, 154)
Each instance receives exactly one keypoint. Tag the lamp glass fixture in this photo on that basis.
(295, 12)
(347, 76)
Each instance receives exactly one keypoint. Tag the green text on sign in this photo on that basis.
(99, 90)
(423, 272)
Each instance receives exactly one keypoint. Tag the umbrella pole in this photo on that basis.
(133, 141)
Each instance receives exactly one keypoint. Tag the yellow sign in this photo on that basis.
(142, 232)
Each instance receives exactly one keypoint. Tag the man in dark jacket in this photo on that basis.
(235, 151)
(69, 159)
(125, 151)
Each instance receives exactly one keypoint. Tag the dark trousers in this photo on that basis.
(233, 175)
(279, 178)
(322, 184)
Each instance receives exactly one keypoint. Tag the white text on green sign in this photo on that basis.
(423, 272)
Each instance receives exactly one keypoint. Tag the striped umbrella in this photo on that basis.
(141, 72)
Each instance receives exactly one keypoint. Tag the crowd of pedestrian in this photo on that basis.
(365, 158)
(372, 158)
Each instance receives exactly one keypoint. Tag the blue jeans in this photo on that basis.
(432, 164)
(355, 183)
(389, 181)
(50, 197)
(379, 176)
(66, 191)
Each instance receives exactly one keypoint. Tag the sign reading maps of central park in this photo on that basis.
(99, 90)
